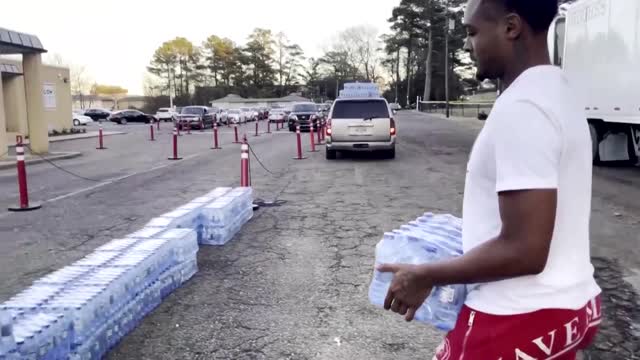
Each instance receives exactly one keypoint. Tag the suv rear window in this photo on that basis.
(360, 109)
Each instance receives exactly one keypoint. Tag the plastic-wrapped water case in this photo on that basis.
(118, 245)
(33, 298)
(147, 233)
(87, 307)
(183, 241)
(99, 258)
(65, 276)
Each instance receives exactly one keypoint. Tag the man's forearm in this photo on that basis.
(495, 260)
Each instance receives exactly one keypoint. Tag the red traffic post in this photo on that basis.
(244, 164)
(312, 137)
(299, 141)
(235, 131)
(324, 130)
(175, 145)
(152, 135)
(100, 140)
(256, 134)
(158, 124)
(216, 146)
(201, 126)
(188, 127)
(320, 131)
(22, 181)
(268, 126)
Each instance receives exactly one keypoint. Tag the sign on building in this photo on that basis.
(49, 94)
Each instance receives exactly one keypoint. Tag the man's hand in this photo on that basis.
(409, 289)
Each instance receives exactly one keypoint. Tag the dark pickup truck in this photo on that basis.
(195, 117)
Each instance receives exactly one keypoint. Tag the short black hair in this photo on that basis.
(539, 14)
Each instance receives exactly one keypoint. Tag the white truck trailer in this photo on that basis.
(597, 43)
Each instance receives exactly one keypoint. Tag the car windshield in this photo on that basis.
(304, 108)
(163, 110)
(360, 109)
(234, 111)
(192, 111)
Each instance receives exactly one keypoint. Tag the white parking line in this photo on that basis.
(114, 180)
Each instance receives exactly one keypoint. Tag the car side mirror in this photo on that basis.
(394, 111)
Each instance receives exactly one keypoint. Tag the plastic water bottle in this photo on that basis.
(32, 299)
(147, 233)
(117, 245)
(7, 341)
(184, 242)
(85, 306)
(114, 281)
(97, 258)
(64, 276)
(445, 303)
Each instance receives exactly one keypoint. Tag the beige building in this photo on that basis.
(34, 98)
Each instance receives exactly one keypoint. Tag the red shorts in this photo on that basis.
(545, 334)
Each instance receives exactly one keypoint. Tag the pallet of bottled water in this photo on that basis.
(427, 239)
(83, 310)
(222, 219)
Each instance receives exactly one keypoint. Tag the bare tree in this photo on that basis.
(81, 83)
(363, 46)
(55, 59)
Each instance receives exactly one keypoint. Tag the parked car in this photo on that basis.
(247, 114)
(235, 116)
(277, 115)
(166, 114)
(222, 116)
(126, 116)
(197, 117)
(97, 114)
(361, 124)
(256, 114)
(80, 119)
(305, 115)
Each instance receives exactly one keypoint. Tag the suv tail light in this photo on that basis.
(328, 127)
(392, 131)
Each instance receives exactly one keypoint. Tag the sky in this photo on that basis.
(116, 39)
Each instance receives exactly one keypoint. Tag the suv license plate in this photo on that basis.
(360, 146)
(360, 131)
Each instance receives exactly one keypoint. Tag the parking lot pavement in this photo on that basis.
(293, 284)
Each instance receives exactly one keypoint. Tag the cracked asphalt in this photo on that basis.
(293, 283)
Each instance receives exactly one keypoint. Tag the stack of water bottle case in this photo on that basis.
(363, 90)
(83, 310)
(427, 239)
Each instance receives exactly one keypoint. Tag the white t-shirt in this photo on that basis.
(536, 137)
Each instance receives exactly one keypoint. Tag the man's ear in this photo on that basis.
(513, 26)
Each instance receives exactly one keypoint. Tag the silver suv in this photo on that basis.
(361, 124)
